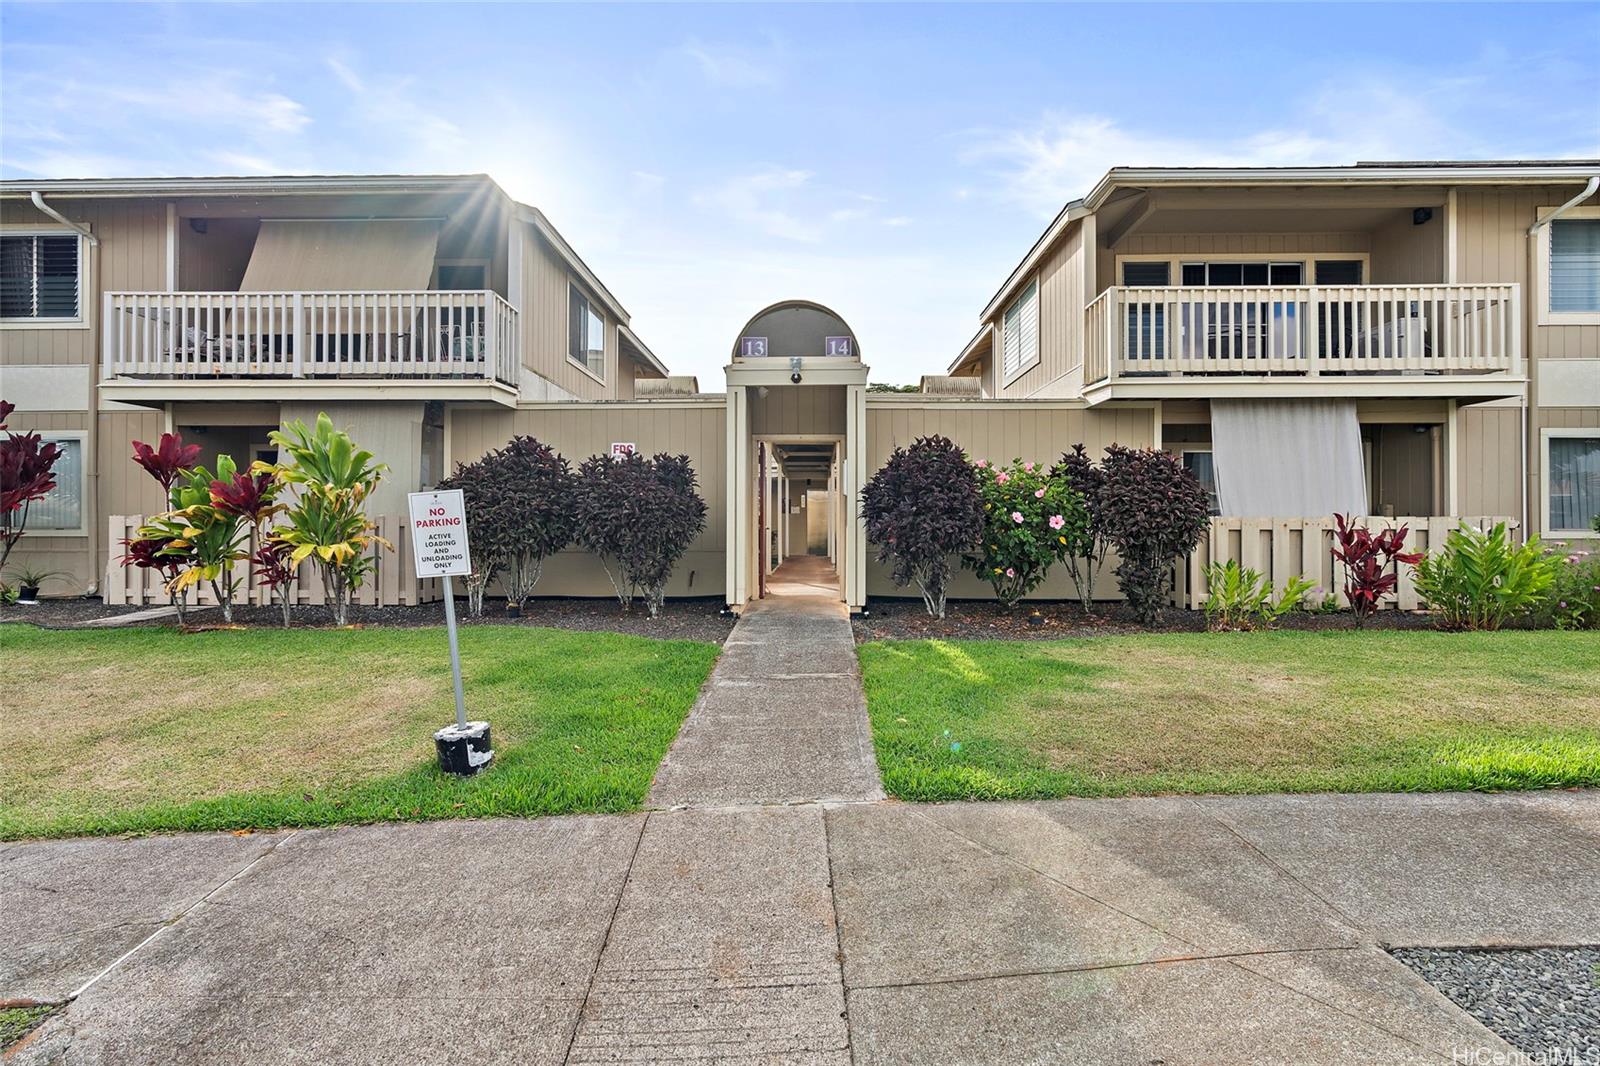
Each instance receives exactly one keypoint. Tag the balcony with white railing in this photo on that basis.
(310, 336)
(1359, 339)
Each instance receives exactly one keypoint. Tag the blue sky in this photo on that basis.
(891, 161)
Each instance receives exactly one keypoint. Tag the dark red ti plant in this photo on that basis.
(276, 573)
(154, 553)
(168, 461)
(1371, 563)
(26, 465)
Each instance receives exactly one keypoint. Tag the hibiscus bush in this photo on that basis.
(1030, 520)
(639, 516)
(921, 508)
(1574, 600)
(1154, 512)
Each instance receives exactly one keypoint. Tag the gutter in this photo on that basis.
(77, 227)
(1588, 191)
(91, 444)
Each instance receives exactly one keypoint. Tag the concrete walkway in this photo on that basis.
(782, 718)
(1172, 930)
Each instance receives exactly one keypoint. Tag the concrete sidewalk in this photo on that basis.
(782, 718)
(1108, 931)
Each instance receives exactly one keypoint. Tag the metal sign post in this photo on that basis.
(439, 548)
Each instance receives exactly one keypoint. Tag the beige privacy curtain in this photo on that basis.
(382, 255)
(1287, 458)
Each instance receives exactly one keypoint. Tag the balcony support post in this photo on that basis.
(1308, 333)
(1515, 338)
(1115, 331)
(108, 338)
(490, 330)
(298, 339)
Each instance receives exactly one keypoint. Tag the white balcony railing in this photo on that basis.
(1303, 331)
(310, 335)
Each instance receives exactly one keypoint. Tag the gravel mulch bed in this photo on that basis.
(693, 619)
(1539, 1000)
(985, 620)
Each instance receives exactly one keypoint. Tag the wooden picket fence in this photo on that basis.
(392, 582)
(1282, 548)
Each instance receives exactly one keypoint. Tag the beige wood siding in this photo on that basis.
(1492, 245)
(545, 279)
(798, 409)
(1487, 458)
(1000, 431)
(1060, 321)
(1214, 245)
(578, 430)
(1404, 253)
(132, 255)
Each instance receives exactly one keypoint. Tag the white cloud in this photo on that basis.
(735, 65)
(751, 199)
(1378, 116)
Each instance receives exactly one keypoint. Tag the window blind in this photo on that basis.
(1021, 340)
(39, 276)
(1575, 264)
(1574, 480)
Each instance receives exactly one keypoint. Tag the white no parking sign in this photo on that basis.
(439, 548)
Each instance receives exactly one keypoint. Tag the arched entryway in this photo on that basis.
(796, 436)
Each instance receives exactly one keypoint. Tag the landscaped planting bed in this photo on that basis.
(693, 619)
(1272, 711)
(149, 729)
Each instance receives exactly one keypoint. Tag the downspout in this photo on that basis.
(1589, 190)
(91, 444)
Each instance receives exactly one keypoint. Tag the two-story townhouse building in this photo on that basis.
(224, 307)
(1386, 338)
(1417, 340)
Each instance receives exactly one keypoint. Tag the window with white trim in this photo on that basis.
(1198, 461)
(40, 276)
(1020, 333)
(586, 333)
(1571, 480)
(61, 509)
(1574, 278)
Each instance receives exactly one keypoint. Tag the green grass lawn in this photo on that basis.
(1235, 712)
(147, 729)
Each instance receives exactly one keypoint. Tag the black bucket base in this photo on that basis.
(464, 751)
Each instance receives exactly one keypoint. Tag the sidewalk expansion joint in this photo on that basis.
(1091, 967)
(175, 919)
(605, 941)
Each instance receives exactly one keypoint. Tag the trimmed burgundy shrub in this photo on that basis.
(1086, 553)
(639, 516)
(922, 507)
(1154, 512)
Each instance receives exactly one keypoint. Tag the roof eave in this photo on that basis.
(553, 236)
(647, 357)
